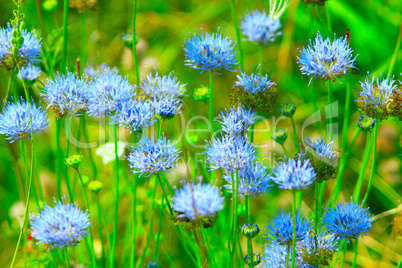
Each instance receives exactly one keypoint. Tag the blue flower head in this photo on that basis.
(150, 157)
(230, 153)
(29, 73)
(210, 52)
(254, 179)
(15, 121)
(66, 95)
(281, 228)
(92, 72)
(64, 225)
(166, 107)
(294, 174)
(260, 28)
(237, 121)
(154, 264)
(347, 220)
(134, 115)
(29, 52)
(107, 92)
(376, 95)
(160, 86)
(275, 256)
(325, 60)
(195, 201)
(318, 249)
(254, 83)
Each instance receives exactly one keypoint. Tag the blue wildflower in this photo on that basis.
(237, 121)
(107, 92)
(151, 156)
(347, 220)
(374, 99)
(15, 121)
(28, 52)
(64, 225)
(210, 52)
(158, 87)
(166, 107)
(260, 28)
(230, 153)
(294, 174)
(29, 74)
(92, 72)
(281, 228)
(318, 249)
(66, 95)
(319, 149)
(195, 201)
(154, 264)
(325, 60)
(254, 84)
(275, 256)
(134, 115)
(254, 179)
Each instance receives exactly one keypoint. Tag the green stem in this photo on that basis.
(345, 247)
(395, 56)
(248, 220)
(42, 24)
(284, 150)
(375, 133)
(100, 230)
(329, 134)
(287, 255)
(347, 112)
(116, 208)
(58, 157)
(132, 255)
(135, 44)
(39, 184)
(317, 208)
(355, 253)
(65, 253)
(211, 103)
(158, 234)
(261, 58)
(84, 128)
(236, 200)
(63, 62)
(400, 264)
(366, 158)
(343, 244)
(83, 40)
(237, 35)
(294, 209)
(294, 134)
(164, 193)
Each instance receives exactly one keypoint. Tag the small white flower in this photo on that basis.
(107, 152)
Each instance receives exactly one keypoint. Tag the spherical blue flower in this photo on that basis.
(230, 153)
(254, 83)
(281, 228)
(317, 148)
(210, 52)
(107, 92)
(15, 120)
(151, 157)
(166, 107)
(29, 52)
(29, 74)
(158, 87)
(66, 95)
(254, 179)
(260, 28)
(237, 121)
(275, 256)
(134, 115)
(92, 72)
(196, 201)
(64, 225)
(318, 249)
(294, 174)
(325, 60)
(347, 220)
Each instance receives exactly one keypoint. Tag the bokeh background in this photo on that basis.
(162, 27)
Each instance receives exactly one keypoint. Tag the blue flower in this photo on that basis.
(325, 60)
(134, 115)
(230, 153)
(254, 179)
(254, 83)
(275, 256)
(158, 87)
(237, 121)
(294, 174)
(281, 228)
(29, 52)
(166, 107)
(66, 95)
(15, 121)
(64, 225)
(151, 157)
(107, 92)
(319, 149)
(260, 28)
(347, 220)
(154, 264)
(378, 94)
(210, 52)
(29, 73)
(196, 201)
(318, 249)
(92, 72)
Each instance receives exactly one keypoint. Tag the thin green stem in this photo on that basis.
(248, 220)
(234, 17)
(375, 133)
(355, 253)
(84, 128)
(63, 62)
(65, 253)
(83, 40)
(330, 134)
(347, 112)
(395, 55)
(211, 103)
(135, 43)
(100, 230)
(162, 183)
(285, 151)
(38, 182)
(58, 157)
(400, 264)
(158, 234)
(116, 208)
(132, 253)
(294, 209)
(42, 24)
(345, 247)
(366, 157)
(287, 255)
(294, 134)
(317, 208)
(343, 244)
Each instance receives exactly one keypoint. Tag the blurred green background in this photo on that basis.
(162, 27)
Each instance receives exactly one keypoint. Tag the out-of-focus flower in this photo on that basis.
(95, 186)
(201, 94)
(29, 74)
(366, 123)
(107, 151)
(73, 160)
(260, 28)
(275, 256)
(82, 5)
(156, 86)
(92, 72)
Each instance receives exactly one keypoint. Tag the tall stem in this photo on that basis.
(84, 126)
(287, 255)
(211, 103)
(294, 134)
(134, 43)
(261, 58)
(116, 208)
(58, 157)
(345, 247)
(395, 56)
(65, 253)
(237, 35)
(317, 208)
(248, 220)
(294, 209)
(375, 133)
(355, 253)
(63, 62)
(132, 255)
(366, 158)
(330, 134)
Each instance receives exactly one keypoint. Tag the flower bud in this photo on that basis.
(74, 160)
(366, 123)
(280, 136)
(250, 230)
(201, 94)
(154, 264)
(288, 110)
(255, 259)
(95, 186)
(20, 41)
(127, 40)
